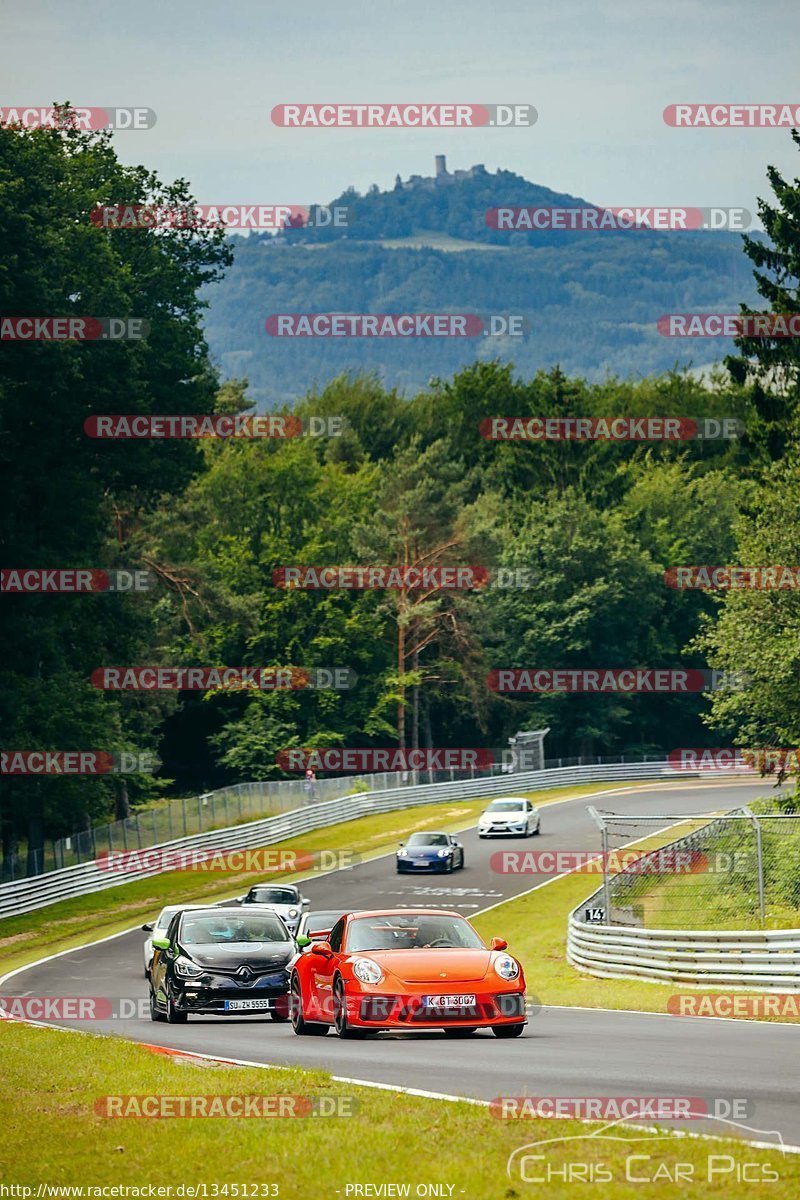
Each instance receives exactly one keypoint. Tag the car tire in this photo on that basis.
(459, 1032)
(300, 1025)
(173, 1017)
(537, 830)
(340, 1025)
(280, 1013)
(155, 1015)
(508, 1031)
(461, 864)
(451, 866)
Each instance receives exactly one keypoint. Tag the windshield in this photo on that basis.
(506, 806)
(404, 931)
(428, 839)
(164, 918)
(272, 895)
(322, 920)
(212, 929)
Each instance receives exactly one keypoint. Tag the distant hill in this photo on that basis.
(591, 299)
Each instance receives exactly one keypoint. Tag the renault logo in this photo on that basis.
(244, 972)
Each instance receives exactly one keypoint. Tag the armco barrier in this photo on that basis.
(24, 895)
(767, 960)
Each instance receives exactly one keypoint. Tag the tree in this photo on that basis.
(69, 500)
(771, 366)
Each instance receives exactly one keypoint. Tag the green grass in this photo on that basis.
(725, 896)
(51, 1081)
(71, 923)
(535, 927)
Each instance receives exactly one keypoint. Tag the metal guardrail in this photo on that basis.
(238, 803)
(25, 895)
(765, 959)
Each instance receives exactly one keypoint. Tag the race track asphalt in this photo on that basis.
(563, 1052)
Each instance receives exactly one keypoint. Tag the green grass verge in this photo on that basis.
(535, 927)
(52, 1134)
(70, 923)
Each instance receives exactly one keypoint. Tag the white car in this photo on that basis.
(507, 816)
(159, 927)
(285, 899)
(317, 925)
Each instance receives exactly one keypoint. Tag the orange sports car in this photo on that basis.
(406, 969)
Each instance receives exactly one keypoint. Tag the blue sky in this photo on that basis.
(599, 72)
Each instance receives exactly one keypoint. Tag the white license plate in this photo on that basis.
(449, 1001)
(238, 1005)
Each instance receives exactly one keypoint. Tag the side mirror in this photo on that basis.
(499, 944)
(323, 949)
(161, 943)
(402, 843)
(305, 902)
(302, 941)
(147, 928)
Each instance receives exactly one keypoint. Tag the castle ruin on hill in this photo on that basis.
(441, 178)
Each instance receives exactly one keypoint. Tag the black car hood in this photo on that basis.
(236, 954)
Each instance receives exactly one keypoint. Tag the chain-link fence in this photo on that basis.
(740, 870)
(239, 803)
(219, 809)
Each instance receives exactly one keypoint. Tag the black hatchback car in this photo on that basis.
(221, 961)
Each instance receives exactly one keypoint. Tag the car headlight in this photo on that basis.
(402, 854)
(367, 971)
(186, 968)
(506, 967)
(443, 853)
(293, 912)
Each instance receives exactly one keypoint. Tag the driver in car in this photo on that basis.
(433, 933)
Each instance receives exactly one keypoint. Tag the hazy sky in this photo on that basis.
(599, 72)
